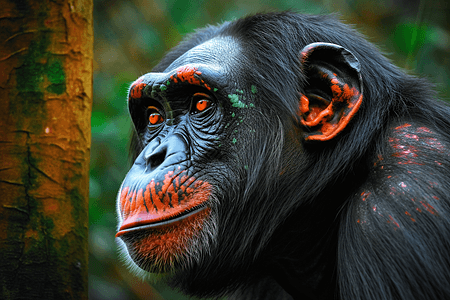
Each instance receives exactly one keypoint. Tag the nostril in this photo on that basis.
(171, 151)
(156, 158)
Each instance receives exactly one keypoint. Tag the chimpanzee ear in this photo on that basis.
(333, 92)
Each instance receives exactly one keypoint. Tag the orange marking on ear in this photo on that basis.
(334, 80)
(315, 111)
(304, 55)
(341, 125)
(353, 92)
(349, 93)
(337, 92)
(304, 104)
(328, 128)
(321, 116)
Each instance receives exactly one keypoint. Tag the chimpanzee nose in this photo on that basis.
(170, 151)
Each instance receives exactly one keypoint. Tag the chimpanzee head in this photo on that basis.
(236, 132)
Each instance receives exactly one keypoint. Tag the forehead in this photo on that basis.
(219, 52)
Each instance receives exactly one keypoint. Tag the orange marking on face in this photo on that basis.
(140, 199)
(184, 178)
(187, 74)
(175, 198)
(133, 202)
(157, 201)
(147, 195)
(136, 89)
(177, 182)
(167, 181)
(167, 244)
(197, 184)
(123, 198)
(189, 181)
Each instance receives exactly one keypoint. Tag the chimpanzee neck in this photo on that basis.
(306, 267)
(309, 272)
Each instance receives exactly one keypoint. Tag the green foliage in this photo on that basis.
(410, 37)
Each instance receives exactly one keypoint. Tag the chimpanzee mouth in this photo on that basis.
(162, 223)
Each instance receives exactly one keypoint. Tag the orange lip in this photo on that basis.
(150, 223)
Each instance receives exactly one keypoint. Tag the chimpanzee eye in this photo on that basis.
(201, 102)
(154, 116)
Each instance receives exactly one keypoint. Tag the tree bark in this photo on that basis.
(45, 106)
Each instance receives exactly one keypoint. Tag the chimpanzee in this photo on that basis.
(282, 156)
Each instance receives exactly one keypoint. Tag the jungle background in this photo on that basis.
(132, 36)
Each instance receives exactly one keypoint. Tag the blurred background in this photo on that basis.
(132, 36)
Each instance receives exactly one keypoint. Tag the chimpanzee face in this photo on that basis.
(193, 120)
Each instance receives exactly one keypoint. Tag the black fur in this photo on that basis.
(350, 218)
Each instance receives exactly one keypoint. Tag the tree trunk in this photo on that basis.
(45, 105)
